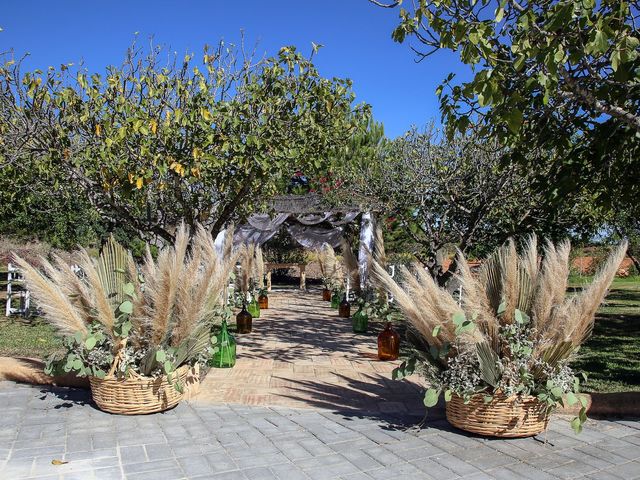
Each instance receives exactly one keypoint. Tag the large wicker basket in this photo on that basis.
(515, 416)
(137, 394)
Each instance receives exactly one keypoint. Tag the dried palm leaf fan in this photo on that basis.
(244, 319)
(514, 316)
(328, 269)
(351, 267)
(263, 298)
(147, 326)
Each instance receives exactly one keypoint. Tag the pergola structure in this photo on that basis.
(312, 222)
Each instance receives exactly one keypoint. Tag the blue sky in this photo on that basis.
(356, 36)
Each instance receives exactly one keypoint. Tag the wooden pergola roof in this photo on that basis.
(309, 203)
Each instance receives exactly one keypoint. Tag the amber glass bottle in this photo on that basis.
(244, 321)
(263, 301)
(388, 343)
(326, 295)
(225, 357)
(344, 309)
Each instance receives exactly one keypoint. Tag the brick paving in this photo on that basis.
(301, 354)
(354, 424)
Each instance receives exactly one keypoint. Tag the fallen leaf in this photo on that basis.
(58, 462)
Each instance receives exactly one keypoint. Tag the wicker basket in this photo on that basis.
(137, 394)
(515, 416)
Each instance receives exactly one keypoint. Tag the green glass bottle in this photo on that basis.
(225, 357)
(360, 321)
(253, 308)
(335, 300)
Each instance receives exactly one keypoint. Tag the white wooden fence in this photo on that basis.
(18, 297)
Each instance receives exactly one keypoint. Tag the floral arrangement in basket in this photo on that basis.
(507, 341)
(122, 322)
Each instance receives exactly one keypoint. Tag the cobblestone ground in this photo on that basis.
(247, 423)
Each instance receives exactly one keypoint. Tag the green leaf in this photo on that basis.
(514, 120)
(459, 318)
(583, 415)
(431, 397)
(168, 367)
(126, 307)
(556, 392)
(571, 398)
(447, 395)
(90, 342)
(583, 401)
(129, 289)
(436, 330)
(576, 425)
(161, 356)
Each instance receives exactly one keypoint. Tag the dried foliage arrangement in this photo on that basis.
(119, 318)
(329, 267)
(512, 332)
(247, 258)
(350, 266)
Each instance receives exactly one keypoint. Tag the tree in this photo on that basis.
(556, 75)
(41, 206)
(451, 193)
(156, 142)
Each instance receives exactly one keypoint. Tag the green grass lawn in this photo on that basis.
(37, 340)
(611, 357)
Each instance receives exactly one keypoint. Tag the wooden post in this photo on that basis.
(303, 276)
(268, 280)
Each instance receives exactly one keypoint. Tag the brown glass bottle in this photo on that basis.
(326, 295)
(388, 343)
(344, 309)
(244, 321)
(263, 301)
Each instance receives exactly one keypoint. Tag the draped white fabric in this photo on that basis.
(263, 222)
(314, 237)
(348, 218)
(367, 229)
(313, 219)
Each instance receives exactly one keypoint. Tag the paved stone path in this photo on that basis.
(197, 441)
(301, 354)
(245, 424)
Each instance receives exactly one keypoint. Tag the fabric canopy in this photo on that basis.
(314, 237)
(306, 230)
(260, 228)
